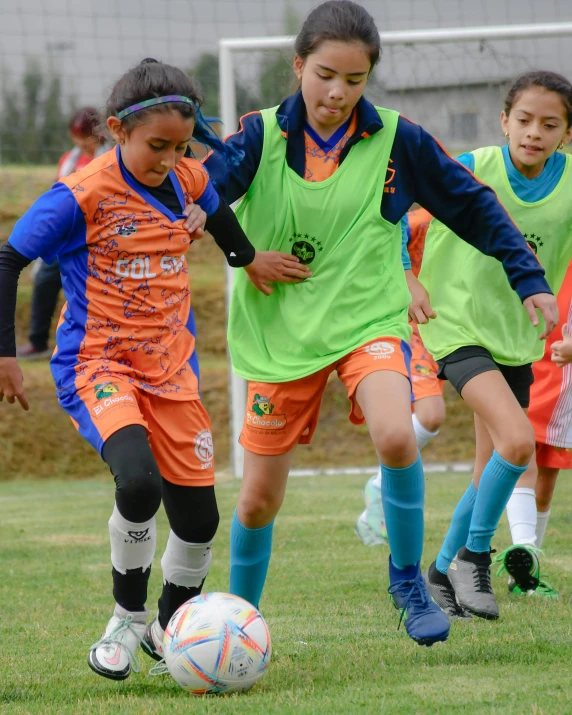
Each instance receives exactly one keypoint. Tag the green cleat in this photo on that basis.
(521, 563)
(544, 590)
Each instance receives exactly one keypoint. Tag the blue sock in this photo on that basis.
(250, 551)
(497, 482)
(402, 494)
(459, 529)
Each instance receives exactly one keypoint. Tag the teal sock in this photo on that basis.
(250, 551)
(459, 529)
(497, 482)
(402, 494)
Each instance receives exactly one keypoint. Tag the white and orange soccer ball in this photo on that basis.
(217, 643)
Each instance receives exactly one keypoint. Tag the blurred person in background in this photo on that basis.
(89, 142)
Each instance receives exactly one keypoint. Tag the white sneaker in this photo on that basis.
(370, 527)
(113, 656)
(152, 641)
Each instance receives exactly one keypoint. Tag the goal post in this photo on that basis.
(411, 39)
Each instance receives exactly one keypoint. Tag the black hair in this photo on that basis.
(551, 81)
(150, 79)
(340, 20)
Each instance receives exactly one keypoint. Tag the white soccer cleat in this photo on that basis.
(113, 656)
(152, 641)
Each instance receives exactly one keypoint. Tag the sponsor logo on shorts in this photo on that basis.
(422, 370)
(262, 416)
(105, 389)
(204, 448)
(114, 401)
(380, 350)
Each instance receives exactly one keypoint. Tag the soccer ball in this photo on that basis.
(217, 643)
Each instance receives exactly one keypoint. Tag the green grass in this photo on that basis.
(336, 644)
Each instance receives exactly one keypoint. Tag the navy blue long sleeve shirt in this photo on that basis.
(420, 171)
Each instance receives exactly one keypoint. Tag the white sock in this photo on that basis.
(521, 513)
(422, 434)
(132, 545)
(186, 564)
(541, 524)
(377, 480)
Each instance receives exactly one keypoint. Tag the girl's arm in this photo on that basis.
(53, 222)
(233, 181)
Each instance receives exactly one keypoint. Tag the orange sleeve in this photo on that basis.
(193, 176)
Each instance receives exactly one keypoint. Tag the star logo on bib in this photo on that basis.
(534, 241)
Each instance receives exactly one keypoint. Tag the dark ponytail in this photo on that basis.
(339, 20)
(551, 81)
(151, 79)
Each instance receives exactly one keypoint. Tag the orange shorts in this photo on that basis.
(553, 457)
(179, 430)
(424, 380)
(282, 414)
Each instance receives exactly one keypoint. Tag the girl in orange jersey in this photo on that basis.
(551, 415)
(125, 366)
(89, 142)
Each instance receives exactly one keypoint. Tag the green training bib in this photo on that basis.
(357, 291)
(470, 292)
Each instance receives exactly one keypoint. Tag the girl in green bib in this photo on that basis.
(483, 338)
(328, 176)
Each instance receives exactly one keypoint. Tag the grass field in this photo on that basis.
(336, 644)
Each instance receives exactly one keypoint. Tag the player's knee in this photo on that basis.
(519, 447)
(396, 447)
(433, 420)
(199, 529)
(430, 412)
(257, 510)
(137, 477)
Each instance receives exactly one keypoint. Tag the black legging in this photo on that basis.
(139, 487)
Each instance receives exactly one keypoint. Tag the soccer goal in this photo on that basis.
(449, 80)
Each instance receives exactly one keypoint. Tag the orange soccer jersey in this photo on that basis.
(126, 333)
(551, 393)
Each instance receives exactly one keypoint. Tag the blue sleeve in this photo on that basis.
(230, 181)
(209, 200)
(405, 236)
(54, 224)
(471, 210)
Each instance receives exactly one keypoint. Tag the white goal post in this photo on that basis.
(227, 50)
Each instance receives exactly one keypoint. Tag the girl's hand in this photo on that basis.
(196, 219)
(562, 349)
(420, 310)
(546, 304)
(12, 382)
(275, 267)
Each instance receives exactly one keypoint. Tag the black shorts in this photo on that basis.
(468, 362)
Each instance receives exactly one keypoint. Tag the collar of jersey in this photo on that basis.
(149, 198)
(291, 118)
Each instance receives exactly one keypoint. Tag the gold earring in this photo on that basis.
(561, 145)
(506, 134)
